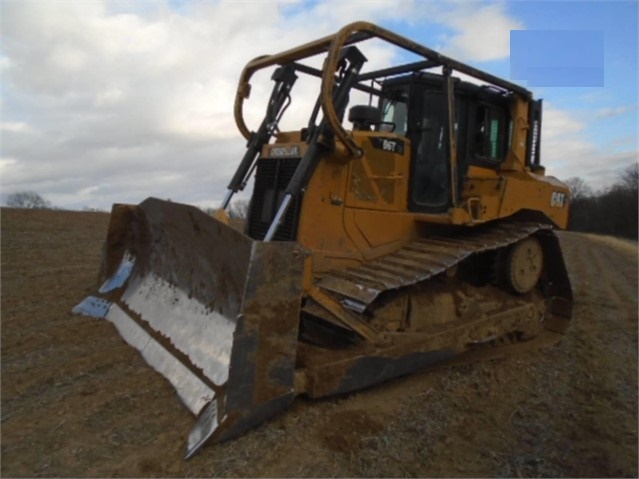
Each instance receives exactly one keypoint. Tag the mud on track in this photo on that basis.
(77, 401)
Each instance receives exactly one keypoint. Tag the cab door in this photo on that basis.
(430, 190)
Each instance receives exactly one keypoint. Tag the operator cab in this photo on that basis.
(415, 106)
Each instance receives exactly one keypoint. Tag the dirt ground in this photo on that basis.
(77, 401)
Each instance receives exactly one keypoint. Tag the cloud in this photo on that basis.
(481, 32)
(14, 126)
(559, 124)
(5, 162)
(567, 152)
(105, 103)
(605, 113)
(111, 102)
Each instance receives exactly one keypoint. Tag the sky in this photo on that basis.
(107, 102)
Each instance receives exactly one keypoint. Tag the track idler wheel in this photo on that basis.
(524, 265)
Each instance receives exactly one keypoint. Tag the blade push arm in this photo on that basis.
(351, 62)
(284, 78)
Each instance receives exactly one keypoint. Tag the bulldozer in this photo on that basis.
(416, 229)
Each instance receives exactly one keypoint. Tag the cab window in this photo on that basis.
(395, 112)
(490, 133)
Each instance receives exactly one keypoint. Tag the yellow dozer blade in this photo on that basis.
(212, 310)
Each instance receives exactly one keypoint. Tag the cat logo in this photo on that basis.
(557, 199)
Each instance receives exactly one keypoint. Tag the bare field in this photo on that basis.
(77, 401)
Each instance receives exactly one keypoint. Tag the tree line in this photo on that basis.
(238, 209)
(28, 199)
(613, 211)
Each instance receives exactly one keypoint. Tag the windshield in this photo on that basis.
(395, 112)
